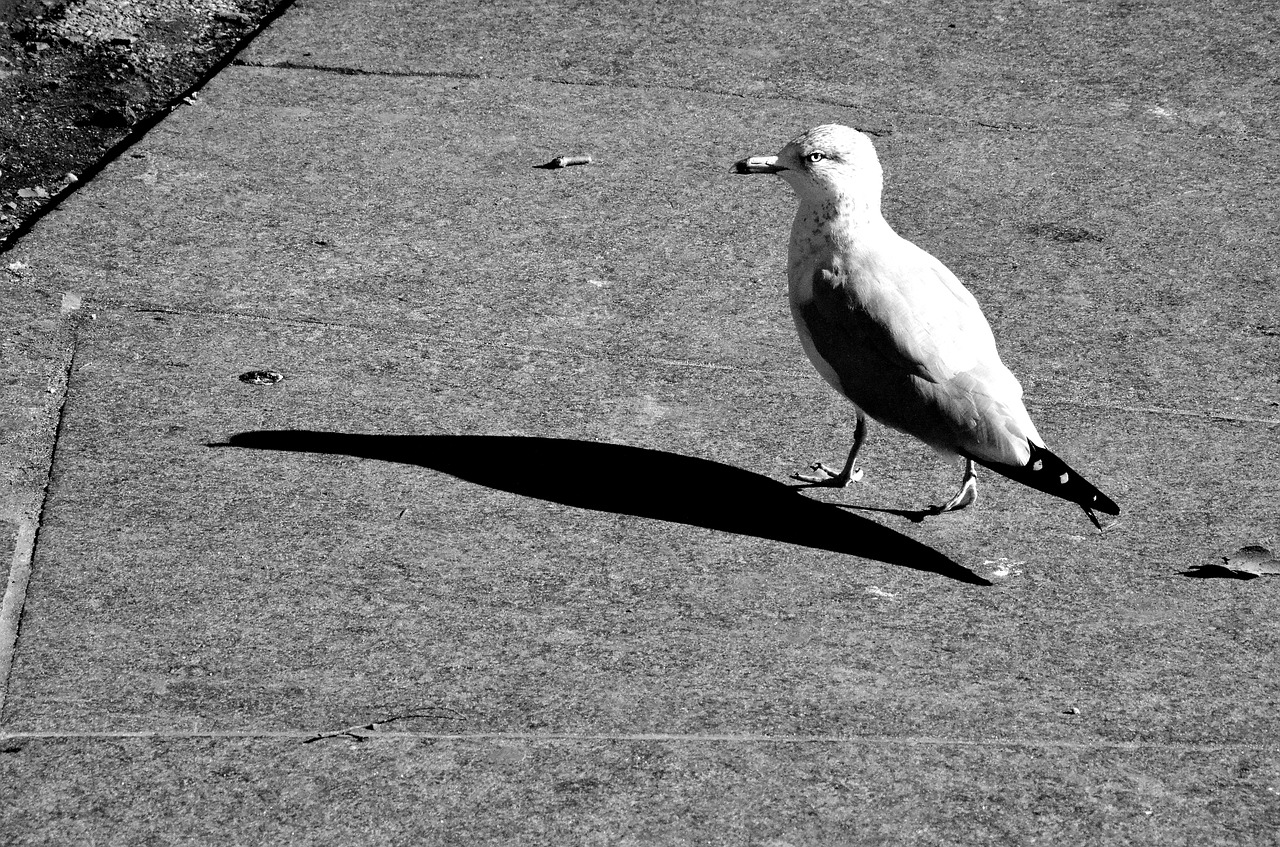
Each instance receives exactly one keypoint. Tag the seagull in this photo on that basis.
(893, 330)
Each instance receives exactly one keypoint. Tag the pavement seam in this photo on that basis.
(408, 330)
(984, 123)
(1159, 410)
(346, 70)
(24, 548)
(362, 734)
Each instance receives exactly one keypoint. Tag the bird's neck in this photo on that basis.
(837, 224)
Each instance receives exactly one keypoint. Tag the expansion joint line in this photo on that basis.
(28, 534)
(348, 70)
(373, 732)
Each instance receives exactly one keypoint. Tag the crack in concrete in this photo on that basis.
(364, 732)
(347, 70)
(616, 85)
(407, 329)
(993, 125)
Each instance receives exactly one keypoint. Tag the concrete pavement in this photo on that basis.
(508, 557)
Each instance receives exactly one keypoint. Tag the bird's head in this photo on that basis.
(829, 163)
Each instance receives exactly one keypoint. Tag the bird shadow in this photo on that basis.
(631, 481)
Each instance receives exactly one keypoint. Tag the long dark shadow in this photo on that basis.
(631, 481)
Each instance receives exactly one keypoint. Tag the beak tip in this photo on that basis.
(757, 165)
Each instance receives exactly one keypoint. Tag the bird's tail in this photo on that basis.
(1048, 473)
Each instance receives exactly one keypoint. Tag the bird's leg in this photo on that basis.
(829, 478)
(967, 494)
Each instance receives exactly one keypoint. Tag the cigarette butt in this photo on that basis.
(564, 162)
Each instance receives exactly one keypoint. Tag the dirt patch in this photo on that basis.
(77, 77)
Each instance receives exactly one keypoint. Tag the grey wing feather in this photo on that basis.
(917, 354)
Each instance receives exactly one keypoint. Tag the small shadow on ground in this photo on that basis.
(1216, 572)
(632, 481)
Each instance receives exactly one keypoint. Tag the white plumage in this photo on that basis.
(893, 330)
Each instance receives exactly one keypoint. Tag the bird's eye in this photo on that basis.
(817, 156)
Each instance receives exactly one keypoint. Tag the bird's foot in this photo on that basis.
(966, 496)
(827, 478)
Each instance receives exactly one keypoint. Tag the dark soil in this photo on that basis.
(80, 77)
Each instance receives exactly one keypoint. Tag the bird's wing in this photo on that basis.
(911, 347)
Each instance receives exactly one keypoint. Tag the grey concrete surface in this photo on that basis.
(1176, 321)
(518, 516)
(639, 791)
(33, 347)
(1162, 66)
